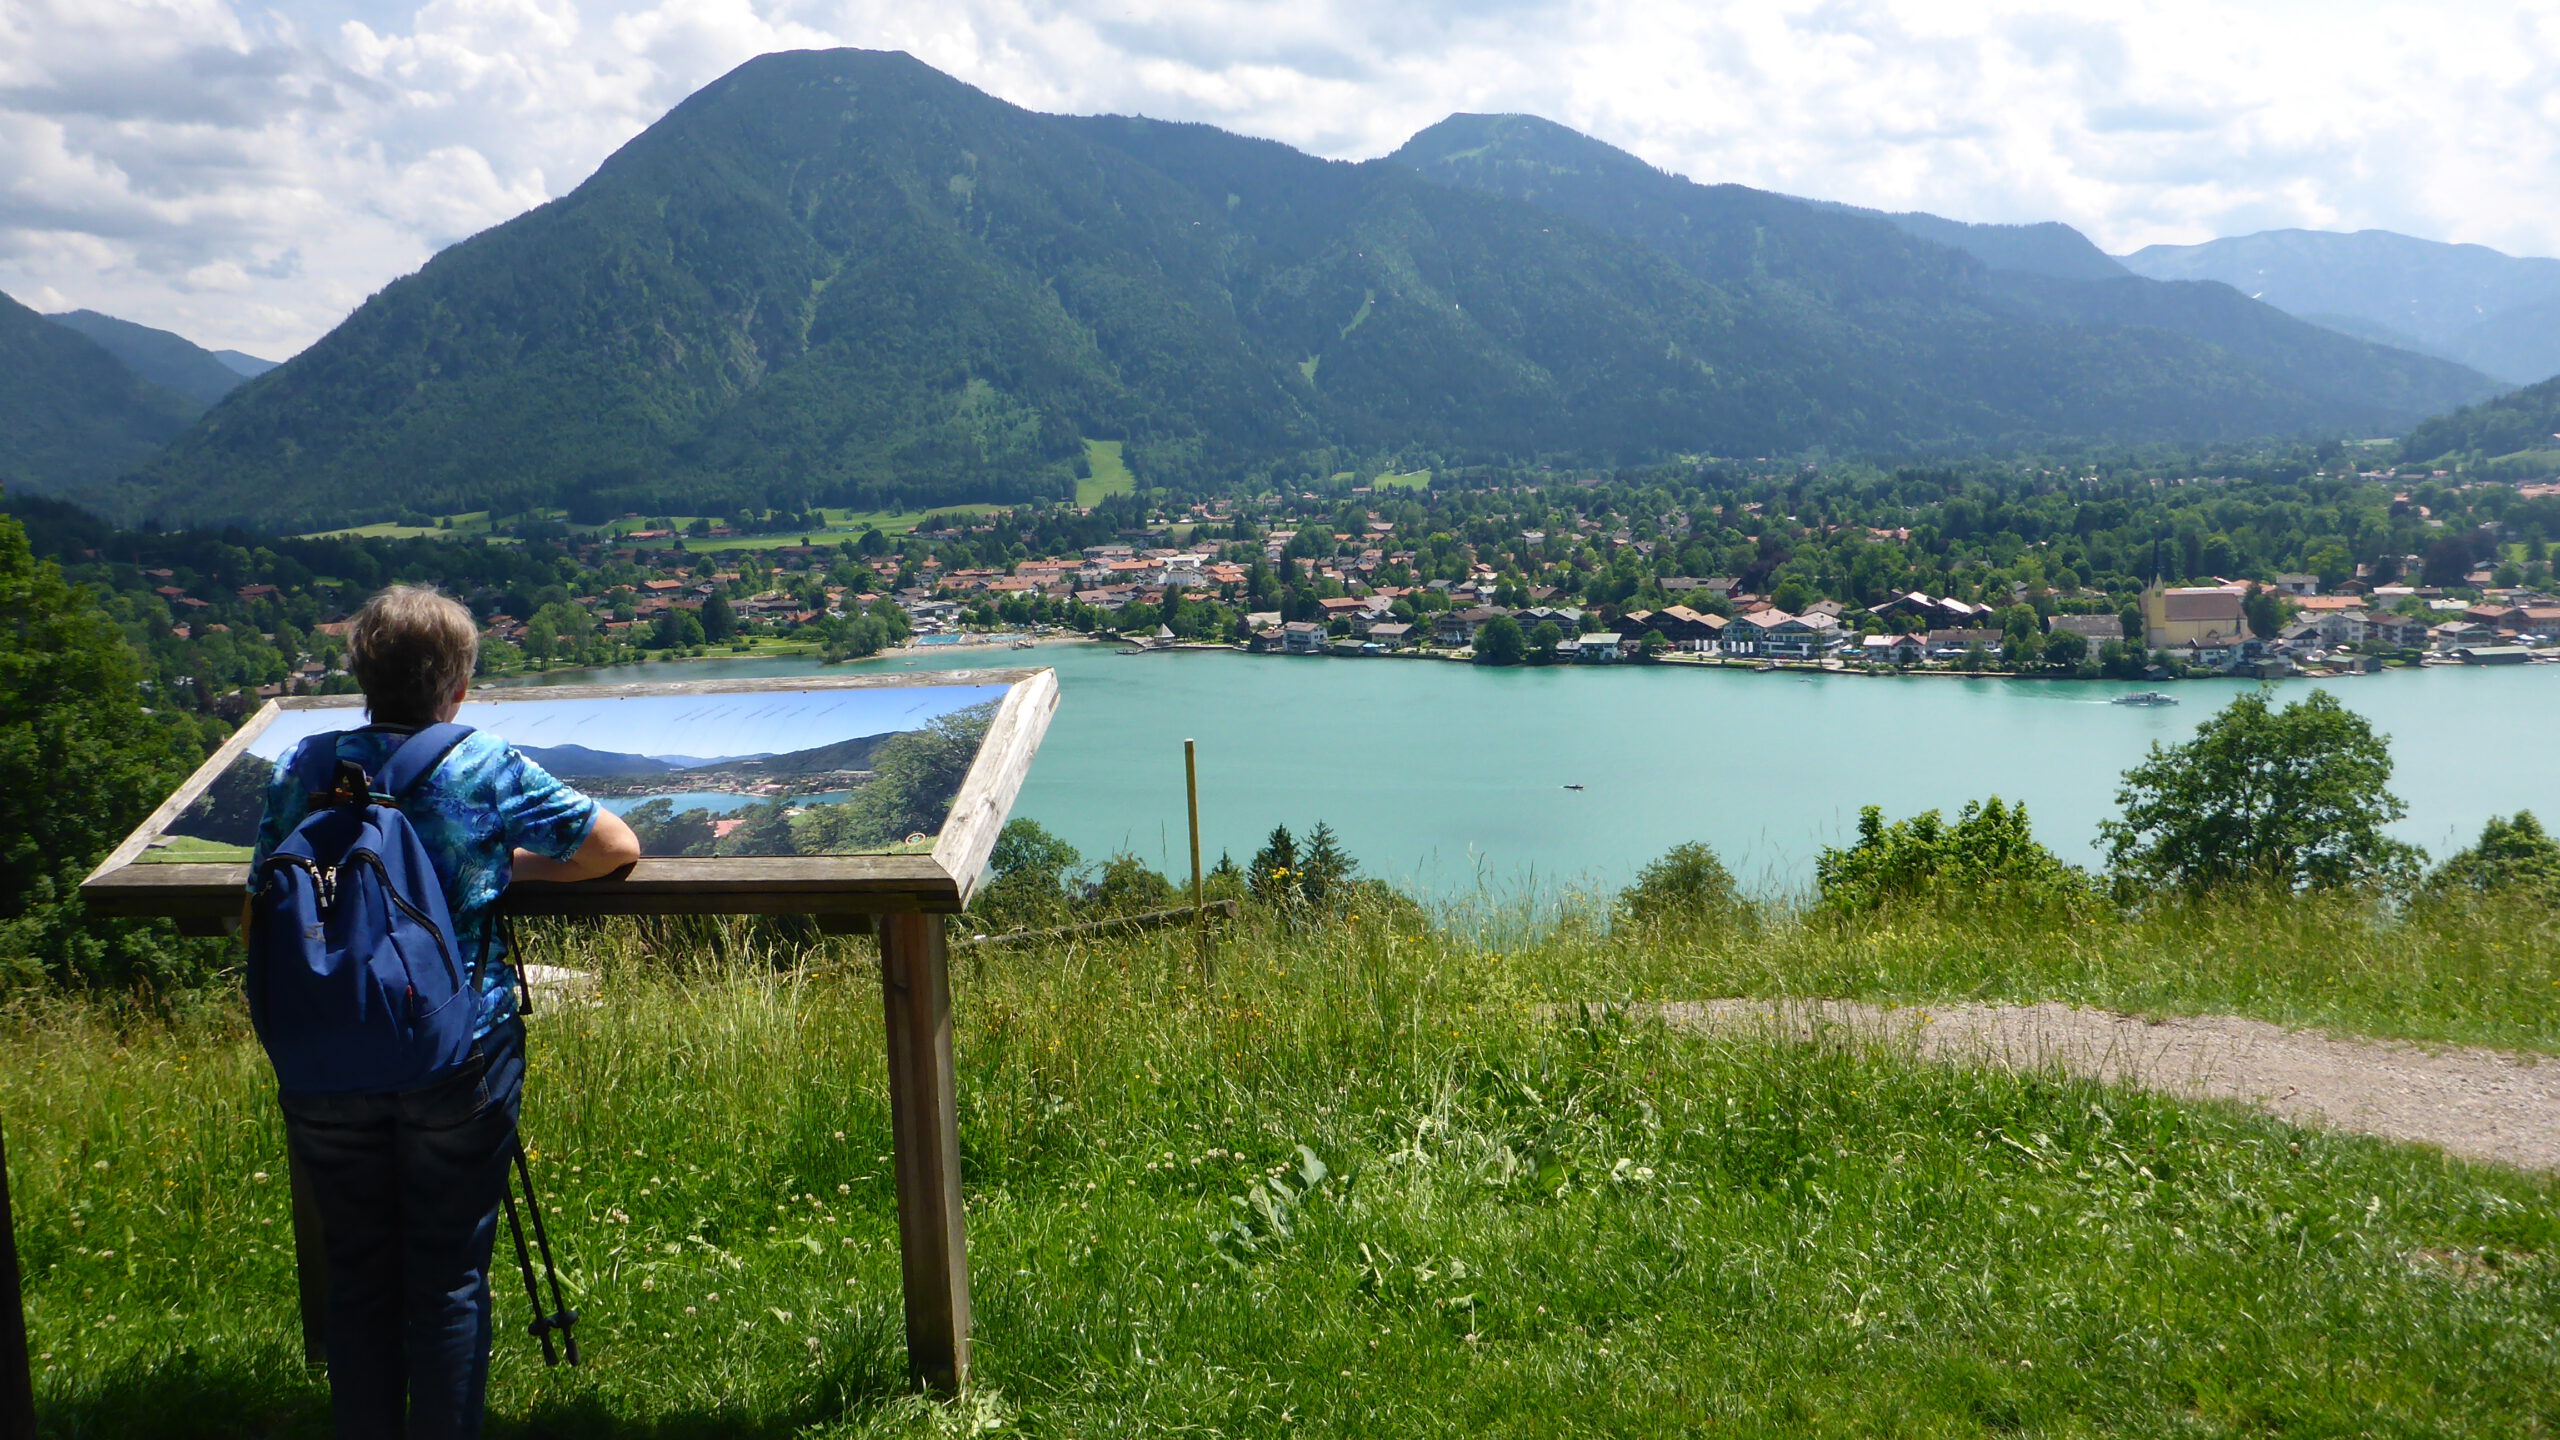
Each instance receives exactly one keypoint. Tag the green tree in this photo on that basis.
(1546, 638)
(1499, 642)
(719, 622)
(2066, 647)
(1686, 885)
(2292, 799)
(82, 761)
(1030, 872)
(2510, 855)
(1128, 886)
(2265, 611)
(1328, 872)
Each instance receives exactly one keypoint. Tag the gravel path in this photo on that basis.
(2476, 1104)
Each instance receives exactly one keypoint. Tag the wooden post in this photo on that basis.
(17, 1386)
(1199, 914)
(924, 1123)
(310, 1263)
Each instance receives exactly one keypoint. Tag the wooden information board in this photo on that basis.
(869, 801)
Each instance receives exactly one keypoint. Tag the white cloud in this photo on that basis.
(246, 171)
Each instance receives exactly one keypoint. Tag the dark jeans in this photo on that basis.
(408, 1189)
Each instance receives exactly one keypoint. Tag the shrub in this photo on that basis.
(1988, 860)
(1687, 885)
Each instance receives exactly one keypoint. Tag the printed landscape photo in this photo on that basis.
(802, 772)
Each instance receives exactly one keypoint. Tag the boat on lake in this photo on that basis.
(2146, 697)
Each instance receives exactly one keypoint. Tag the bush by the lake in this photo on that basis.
(1687, 885)
(1989, 863)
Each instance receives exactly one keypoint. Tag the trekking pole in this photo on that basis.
(561, 1318)
(532, 1293)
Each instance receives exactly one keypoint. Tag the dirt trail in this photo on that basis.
(2477, 1104)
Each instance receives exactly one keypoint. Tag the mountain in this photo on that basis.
(2046, 248)
(73, 416)
(243, 364)
(854, 754)
(579, 760)
(169, 361)
(2497, 313)
(844, 277)
(2527, 419)
(2047, 340)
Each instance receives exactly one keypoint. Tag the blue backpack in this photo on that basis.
(355, 984)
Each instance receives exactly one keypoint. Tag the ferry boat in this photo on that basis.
(2146, 697)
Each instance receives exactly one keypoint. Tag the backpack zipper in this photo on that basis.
(443, 948)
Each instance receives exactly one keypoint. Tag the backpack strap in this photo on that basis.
(417, 758)
(315, 764)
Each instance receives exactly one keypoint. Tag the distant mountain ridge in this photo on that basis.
(2498, 313)
(842, 276)
(584, 762)
(170, 361)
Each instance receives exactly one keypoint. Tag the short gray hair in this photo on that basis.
(412, 647)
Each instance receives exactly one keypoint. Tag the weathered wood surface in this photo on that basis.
(986, 796)
(780, 885)
(924, 1120)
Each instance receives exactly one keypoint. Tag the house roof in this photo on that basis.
(2204, 604)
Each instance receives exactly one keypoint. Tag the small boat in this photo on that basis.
(1573, 787)
(2146, 697)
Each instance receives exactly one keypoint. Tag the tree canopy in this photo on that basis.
(2295, 798)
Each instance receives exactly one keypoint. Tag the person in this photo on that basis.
(408, 1186)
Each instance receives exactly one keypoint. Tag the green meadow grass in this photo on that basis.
(1365, 1179)
(1410, 480)
(464, 525)
(1111, 474)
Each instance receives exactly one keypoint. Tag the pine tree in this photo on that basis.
(1275, 878)
(1329, 871)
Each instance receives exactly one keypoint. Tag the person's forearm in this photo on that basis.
(582, 866)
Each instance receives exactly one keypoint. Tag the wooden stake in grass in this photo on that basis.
(1199, 909)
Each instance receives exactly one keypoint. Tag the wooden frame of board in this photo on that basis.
(835, 885)
(902, 898)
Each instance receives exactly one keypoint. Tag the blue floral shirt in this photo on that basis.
(482, 803)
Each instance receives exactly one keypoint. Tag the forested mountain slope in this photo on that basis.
(171, 361)
(72, 416)
(2521, 420)
(2042, 340)
(844, 277)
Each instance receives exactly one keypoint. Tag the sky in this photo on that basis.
(247, 173)
(700, 726)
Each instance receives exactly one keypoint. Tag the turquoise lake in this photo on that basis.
(1447, 777)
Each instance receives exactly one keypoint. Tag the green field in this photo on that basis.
(462, 526)
(1365, 1177)
(841, 525)
(189, 850)
(1410, 480)
(1111, 475)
